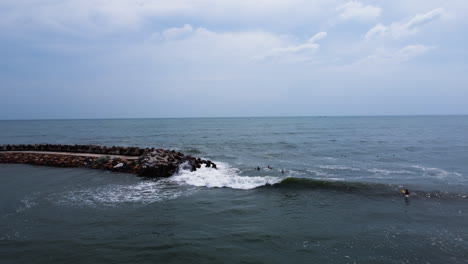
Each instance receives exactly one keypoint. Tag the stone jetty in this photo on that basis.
(147, 162)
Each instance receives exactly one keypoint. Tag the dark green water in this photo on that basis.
(342, 206)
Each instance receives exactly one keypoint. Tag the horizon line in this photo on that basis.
(214, 117)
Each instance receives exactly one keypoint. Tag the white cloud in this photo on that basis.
(357, 10)
(115, 15)
(198, 45)
(377, 31)
(382, 56)
(299, 52)
(177, 32)
(317, 37)
(411, 51)
(417, 21)
(410, 27)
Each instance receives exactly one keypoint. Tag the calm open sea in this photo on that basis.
(338, 200)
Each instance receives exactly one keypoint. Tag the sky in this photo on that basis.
(207, 58)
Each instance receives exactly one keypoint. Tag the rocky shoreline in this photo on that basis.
(147, 162)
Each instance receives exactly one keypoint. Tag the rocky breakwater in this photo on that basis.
(167, 162)
(94, 149)
(147, 162)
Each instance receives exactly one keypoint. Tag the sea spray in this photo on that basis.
(223, 176)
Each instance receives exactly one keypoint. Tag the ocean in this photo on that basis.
(332, 195)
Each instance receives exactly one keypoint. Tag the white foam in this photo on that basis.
(148, 191)
(223, 176)
(338, 167)
(437, 172)
(319, 173)
(332, 179)
(387, 172)
(145, 192)
(27, 202)
(293, 173)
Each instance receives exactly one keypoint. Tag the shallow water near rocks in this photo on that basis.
(338, 201)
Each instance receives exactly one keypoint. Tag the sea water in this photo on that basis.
(332, 195)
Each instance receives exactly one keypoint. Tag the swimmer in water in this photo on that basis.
(282, 171)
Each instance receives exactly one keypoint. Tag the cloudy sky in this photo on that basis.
(207, 58)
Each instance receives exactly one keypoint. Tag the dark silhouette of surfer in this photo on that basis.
(406, 193)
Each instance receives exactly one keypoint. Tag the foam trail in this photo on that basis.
(339, 167)
(145, 192)
(27, 202)
(388, 172)
(436, 172)
(224, 176)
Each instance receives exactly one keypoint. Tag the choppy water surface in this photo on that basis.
(338, 200)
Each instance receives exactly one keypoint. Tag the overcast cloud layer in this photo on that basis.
(186, 58)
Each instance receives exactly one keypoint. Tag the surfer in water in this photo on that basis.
(406, 193)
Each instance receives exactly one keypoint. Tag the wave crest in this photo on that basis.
(223, 176)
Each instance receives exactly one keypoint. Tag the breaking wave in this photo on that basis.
(223, 176)
(229, 177)
(307, 183)
(362, 188)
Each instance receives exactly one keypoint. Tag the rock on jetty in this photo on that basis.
(147, 162)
